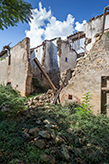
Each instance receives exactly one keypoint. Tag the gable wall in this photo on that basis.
(19, 70)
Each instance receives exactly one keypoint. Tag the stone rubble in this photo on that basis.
(46, 135)
(66, 76)
(41, 100)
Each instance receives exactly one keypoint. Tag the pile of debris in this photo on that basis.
(42, 99)
(66, 76)
(45, 138)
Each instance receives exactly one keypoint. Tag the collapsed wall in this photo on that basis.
(91, 74)
(55, 57)
(93, 29)
(15, 67)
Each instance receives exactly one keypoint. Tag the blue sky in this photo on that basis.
(53, 18)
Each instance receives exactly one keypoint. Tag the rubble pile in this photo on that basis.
(66, 76)
(42, 99)
(47, 135)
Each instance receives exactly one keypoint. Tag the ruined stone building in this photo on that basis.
(55, 56)
(85, 54)
(92, 71)
(18, 68)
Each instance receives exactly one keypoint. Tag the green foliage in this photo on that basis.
(11, 99)
(13, 11)
(85, 135)
(14, 145)
(85, 106)
(2, 59)
(90, 134)
(37, 85)
(107, 35)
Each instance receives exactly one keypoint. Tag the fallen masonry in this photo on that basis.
(42, 99)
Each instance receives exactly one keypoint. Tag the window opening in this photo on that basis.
(9, 60)
(66, 59)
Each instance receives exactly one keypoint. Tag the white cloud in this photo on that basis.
(56, 28)
(46, 26)
(79, 26)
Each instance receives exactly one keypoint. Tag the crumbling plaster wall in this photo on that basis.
(47, 56)
(78, 45)
(51, 61)
(87, 75)
(18, 73)
(93, 28)
(52, 55)
(38, 52)
(67, 57)
(4, 71)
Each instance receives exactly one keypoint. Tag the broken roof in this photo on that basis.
(76, 36)
(3, 52)
(97, 16)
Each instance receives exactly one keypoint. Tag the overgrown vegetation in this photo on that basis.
(11, 99)
(85, 135)
(85, 106)
(37, 86)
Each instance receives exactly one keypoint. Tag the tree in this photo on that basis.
(13, 11)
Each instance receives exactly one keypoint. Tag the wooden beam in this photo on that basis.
(76, 36)
(57, 95)
(45, 75)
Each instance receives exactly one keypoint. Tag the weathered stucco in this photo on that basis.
(88, 75)
(93, 28)
(47, 56)
(67, 56)
(18, 73)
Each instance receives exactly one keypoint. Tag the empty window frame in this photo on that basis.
(104, 94)
(9, 60)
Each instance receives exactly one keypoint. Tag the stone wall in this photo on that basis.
(18, 72)
(88, 76)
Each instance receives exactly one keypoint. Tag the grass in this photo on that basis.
(85, 135)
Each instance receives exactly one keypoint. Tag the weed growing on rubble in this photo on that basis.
(83, 109)
(85, 106)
